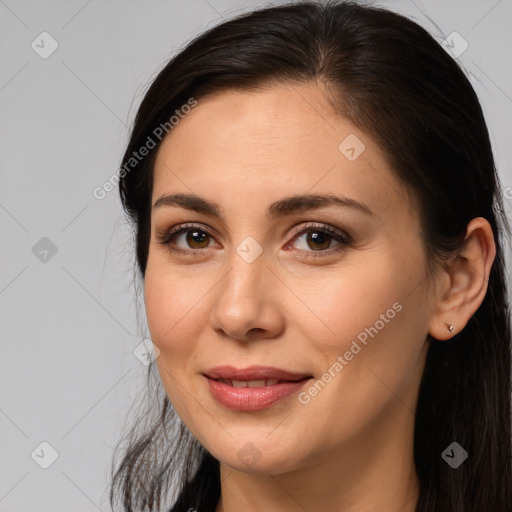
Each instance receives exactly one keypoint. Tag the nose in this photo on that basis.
(246, 302)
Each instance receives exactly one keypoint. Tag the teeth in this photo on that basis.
(250, 383)
(256, 383)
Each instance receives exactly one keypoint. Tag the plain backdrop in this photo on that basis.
(71, 361)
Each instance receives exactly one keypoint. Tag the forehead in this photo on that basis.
(281, 140)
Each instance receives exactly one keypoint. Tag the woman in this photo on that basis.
(319, 232)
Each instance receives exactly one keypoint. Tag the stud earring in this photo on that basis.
(450, 327)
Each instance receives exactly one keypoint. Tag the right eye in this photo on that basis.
(193, 236)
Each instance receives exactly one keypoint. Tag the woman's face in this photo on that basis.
(255, 280)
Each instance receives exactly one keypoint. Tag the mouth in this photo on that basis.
(259, 383)
(253, 388)
(254, 376)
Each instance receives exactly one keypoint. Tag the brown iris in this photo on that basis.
(197, 237)
(317, 237)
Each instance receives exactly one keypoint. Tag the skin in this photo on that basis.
(350, 447)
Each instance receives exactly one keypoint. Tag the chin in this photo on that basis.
(258, 454)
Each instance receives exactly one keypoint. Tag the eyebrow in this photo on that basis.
(281, 208)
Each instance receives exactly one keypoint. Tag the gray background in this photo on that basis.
(68, 374)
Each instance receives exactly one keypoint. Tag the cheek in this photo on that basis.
(172, 311)
(174, 315)
(338, 306)
(374, 318)
(368, 365)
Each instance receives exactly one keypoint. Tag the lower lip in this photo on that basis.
(252, 399)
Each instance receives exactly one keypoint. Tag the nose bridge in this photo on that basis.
(244, 301)
(247, 259)
(246, 273)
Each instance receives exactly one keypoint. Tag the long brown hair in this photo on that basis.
(390, 78)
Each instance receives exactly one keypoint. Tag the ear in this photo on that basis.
(464, 283)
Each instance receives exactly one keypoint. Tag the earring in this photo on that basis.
(450, 327)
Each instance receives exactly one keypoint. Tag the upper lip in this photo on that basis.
(253, 373)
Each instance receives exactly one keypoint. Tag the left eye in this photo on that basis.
(319, 239)
(312, 238)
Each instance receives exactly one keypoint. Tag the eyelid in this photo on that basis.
(164, 236)
(302, 229)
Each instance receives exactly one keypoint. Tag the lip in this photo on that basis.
(253, 373)
(253, 399)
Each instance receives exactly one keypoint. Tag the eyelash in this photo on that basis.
(345, 240)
